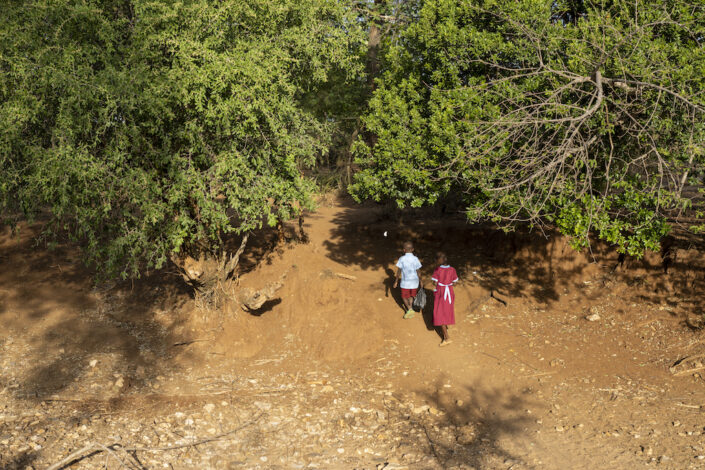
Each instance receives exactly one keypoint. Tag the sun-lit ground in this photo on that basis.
(329, 375)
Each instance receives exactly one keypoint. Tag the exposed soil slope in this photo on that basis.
(329, 375)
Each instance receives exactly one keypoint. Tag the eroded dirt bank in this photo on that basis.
(329, 375)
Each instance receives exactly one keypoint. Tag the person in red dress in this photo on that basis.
(444, 278)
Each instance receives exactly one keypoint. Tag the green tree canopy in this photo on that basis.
(586, 115)
(148, 128)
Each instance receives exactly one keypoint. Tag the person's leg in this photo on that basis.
(446, 339)
(408, 302)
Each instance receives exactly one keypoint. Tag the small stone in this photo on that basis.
(209, 407)
(700, 457)
(341, 450)
(559, 428)
(593, 317)
(119, 382)
(93, 362)
(459, 402)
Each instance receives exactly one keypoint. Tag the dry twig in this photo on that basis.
(95, 448)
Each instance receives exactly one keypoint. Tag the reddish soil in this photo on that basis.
(528, 381)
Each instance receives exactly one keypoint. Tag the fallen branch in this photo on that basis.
(186, 343)
(503, 302)
(538, 374)
(346, 276)
(695, 407)
(688, 365)
(96, 448)
(76, 456)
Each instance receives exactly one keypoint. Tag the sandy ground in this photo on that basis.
(329, 375)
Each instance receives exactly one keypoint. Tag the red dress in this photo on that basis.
(444, 298)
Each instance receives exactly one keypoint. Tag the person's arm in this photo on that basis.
(398, 276)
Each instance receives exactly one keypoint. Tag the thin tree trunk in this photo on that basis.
(235, 259)
(374, 39)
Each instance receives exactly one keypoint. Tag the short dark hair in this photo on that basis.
(442, 257)
(408, 245)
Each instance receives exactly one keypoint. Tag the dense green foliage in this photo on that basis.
(587, 115)
(145, 129)
(148, 128)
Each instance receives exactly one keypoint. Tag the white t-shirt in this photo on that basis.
(408, 265)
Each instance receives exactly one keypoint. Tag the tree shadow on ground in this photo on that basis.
(472, 432)
(266, 244)
(268, 306)
(52, 309)
(517, 264)
(427, 313)
(19, 461)
(51, 305)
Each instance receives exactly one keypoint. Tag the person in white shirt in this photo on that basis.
(408, 273)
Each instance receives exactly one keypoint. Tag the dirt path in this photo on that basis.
(330, 376)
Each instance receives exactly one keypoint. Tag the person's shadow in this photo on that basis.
(389, 288)
(427, 313)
